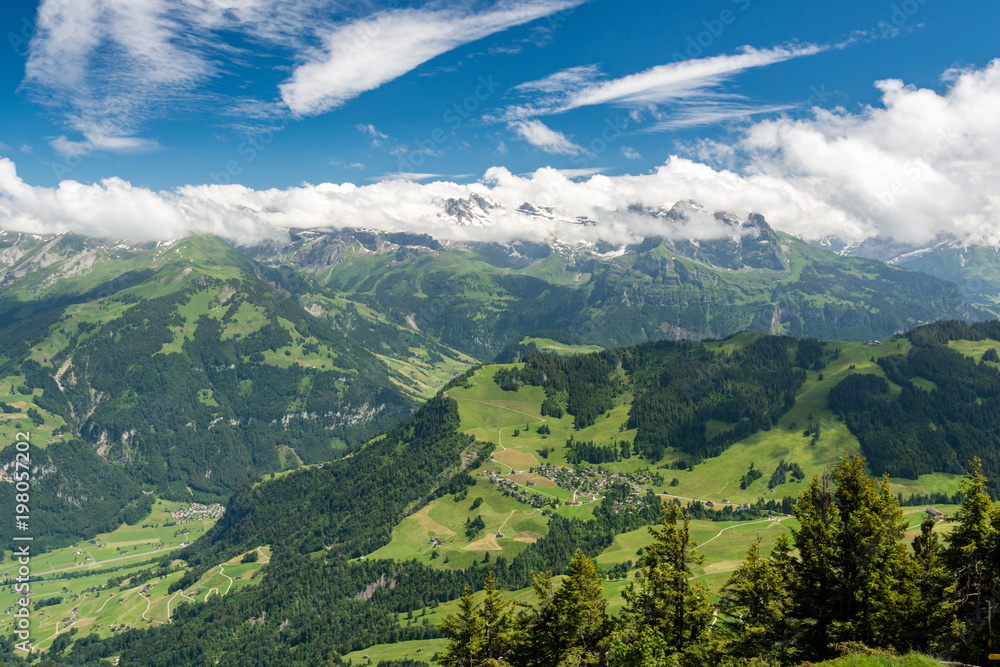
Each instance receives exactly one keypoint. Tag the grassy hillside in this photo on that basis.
(491, 414)
(187, 383)
(484, 477)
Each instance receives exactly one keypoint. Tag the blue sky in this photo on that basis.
(270, 95)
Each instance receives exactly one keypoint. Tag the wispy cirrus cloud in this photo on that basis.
(364, 54)
(693, 83)
(107, 68)
(106, 65)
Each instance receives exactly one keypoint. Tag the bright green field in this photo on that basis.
(126, 545)
(555, 347)
(15, 422)
(419, 377)
(974, 348)
(90, 606)
(401, 651)
(88, 603)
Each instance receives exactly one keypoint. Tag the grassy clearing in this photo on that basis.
(421, 378)
(248, 319)
(911, 660)
(200, 303)
(974, 348)
(445, 519)
(422, 650)
(554, 346)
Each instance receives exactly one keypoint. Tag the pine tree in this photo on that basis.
(569, 626)
(970, 555)
(873, 563)
(663, 609)
(812, 571)
(932, 622)
(479, 635)
(852, 575)
(752, 606)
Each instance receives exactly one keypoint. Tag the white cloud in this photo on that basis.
(630, 153)
(115, 208)
(364, 54)
(108, 67)
(696, 79)
(709, 112)
(371, 131)
(919, 164)
(539, 135)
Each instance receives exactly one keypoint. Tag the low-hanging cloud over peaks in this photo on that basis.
(921, 164)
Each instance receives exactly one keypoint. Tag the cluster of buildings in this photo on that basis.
(196, 512)
(588, 482)
(632, 503)
(511, 489)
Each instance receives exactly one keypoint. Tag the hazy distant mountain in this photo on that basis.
(974, 268)
(477, 297)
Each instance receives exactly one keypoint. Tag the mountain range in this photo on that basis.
(193, 365)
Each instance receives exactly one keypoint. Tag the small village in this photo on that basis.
(588, 482)
(196, 512)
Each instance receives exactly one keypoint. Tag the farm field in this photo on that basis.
(127, 545)
(89, 587)
(93, 604)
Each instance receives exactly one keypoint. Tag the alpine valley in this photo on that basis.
(388, 418)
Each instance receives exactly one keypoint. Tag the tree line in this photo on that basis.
(844, 580)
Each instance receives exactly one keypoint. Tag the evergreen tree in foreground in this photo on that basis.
(752, 606)
(664, 612)
(482, 635)
(569, 626)
(971, 554)
(853, 579)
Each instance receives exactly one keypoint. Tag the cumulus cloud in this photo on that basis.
(919, 164)
(116, 208)
(543, 137)
(362, 55)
